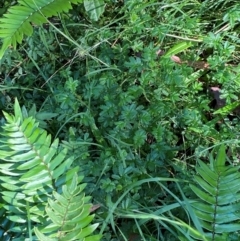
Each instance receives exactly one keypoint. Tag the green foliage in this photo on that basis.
(20, 18)
(69, 214)
(18, 21)
(217, 187)
(39, 186)
(178, 48)
(127, 110)
(94, 8)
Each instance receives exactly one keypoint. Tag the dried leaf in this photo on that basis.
(176, 59)
(94, 207)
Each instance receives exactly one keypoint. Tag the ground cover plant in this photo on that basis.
(142, 94)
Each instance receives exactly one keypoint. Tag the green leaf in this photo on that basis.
(56, 218)
(73, 235)
(83, 214)
(30, 164)
(63, 167)
(201, 194)
(139, 137)
(42, 237)
(37, 184)
(33, 173)
(72, 187)
(93, 238)
(57, 208)
(94, 8)
(227, 109)
(17, 22)
(39, 171)
(17, 219)
(57, 160)
(85, 221)
(178, 48)
(210, 176)
(218, 194)
(205, 185)
(61, 199)
(87, 231)
(221, 158)
(228, 228)
(17, 109)
(45, 115)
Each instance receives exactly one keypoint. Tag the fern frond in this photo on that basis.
(70, 216)
(31, 168)
(19, 19)
(218, 188)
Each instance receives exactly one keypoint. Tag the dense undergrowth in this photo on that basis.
(138, 92)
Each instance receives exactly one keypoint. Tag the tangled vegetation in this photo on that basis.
(133, 105)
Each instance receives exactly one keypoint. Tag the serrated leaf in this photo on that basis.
(50, 228)
(66, 178)
(75, 214)
(34, 184)
(5, 45)
(68, 227)
(25, 156)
